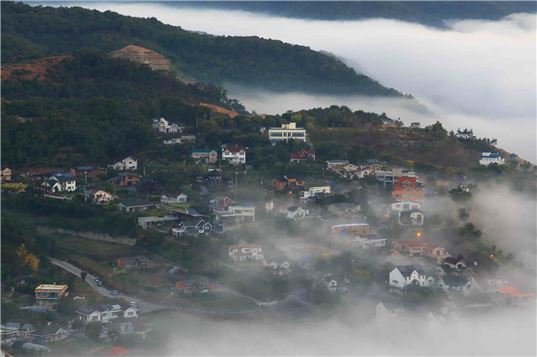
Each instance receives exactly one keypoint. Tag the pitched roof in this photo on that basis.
(202, 151)
(513, 291)
(234, 149)
(453, 260)
(406, 270)
(411, 242)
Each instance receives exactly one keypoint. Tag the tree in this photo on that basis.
(93, 330)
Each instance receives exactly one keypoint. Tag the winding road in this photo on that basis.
(144, 306)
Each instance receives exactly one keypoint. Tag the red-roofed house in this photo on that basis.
(234, 154)
(302, 155)
(418, 247)
(408, 189)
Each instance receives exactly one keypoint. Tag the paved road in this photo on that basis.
(90, 279)
(146, 306)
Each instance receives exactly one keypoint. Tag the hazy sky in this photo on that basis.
(478, 74)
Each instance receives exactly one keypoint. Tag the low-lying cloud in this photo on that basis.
(478, 74)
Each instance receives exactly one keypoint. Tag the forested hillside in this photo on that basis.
(30, 32)
(91, 107)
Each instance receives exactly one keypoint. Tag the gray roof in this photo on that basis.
(136, 203)
(406, 270)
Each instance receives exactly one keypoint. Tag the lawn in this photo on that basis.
(221, 302)
(69, 245)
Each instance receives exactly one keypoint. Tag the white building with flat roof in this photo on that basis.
(488, 158)
(287, 132)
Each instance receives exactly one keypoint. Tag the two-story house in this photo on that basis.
(127, 164)
(49, 295)
(408, 188)
(404, 275)
(234, 154)
(173, 197)
(236, 214)
(206, 156)
(102, 197)
(192, 228)
(106, 312)
(406, 213)
(315, 191)
(163, 126)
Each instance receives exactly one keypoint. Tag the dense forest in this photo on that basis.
(90, 107)
(30, 32)
(431, 13)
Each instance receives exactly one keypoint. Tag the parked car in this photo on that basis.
(114, 292)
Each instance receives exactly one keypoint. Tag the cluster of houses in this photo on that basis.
(353, 172)
(120, 318)
(251, 256)
(233, 154)
(453, 275)
(172, 132)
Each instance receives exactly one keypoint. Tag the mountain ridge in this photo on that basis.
(430, 13)
(36, 31)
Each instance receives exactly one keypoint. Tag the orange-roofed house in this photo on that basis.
(408, 188)
(510, 294)
(412, 247)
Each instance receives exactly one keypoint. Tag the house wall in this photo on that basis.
(397, 279)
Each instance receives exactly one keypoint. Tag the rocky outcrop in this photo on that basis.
(142, 55)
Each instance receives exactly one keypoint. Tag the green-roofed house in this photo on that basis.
(207, 156)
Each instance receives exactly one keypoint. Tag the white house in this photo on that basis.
(297, 212)
(59, 183)
(234, 154)
(404, 206)
(176, 197)
(406, 213)
(287, 132)
(192, 228)
(102, 197)
(127, 164)
(314, 192)
(236, 214)
(404, 275)
(251, 253)
(165, 127)
(459, 283)
(488, 158)
(106, 313)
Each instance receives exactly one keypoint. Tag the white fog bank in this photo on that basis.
(478, 74)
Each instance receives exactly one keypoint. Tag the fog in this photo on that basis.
(359, 326)
(475, 74)
(478, 74)
(348, 332)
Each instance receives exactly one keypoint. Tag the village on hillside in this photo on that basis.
(229, 242)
